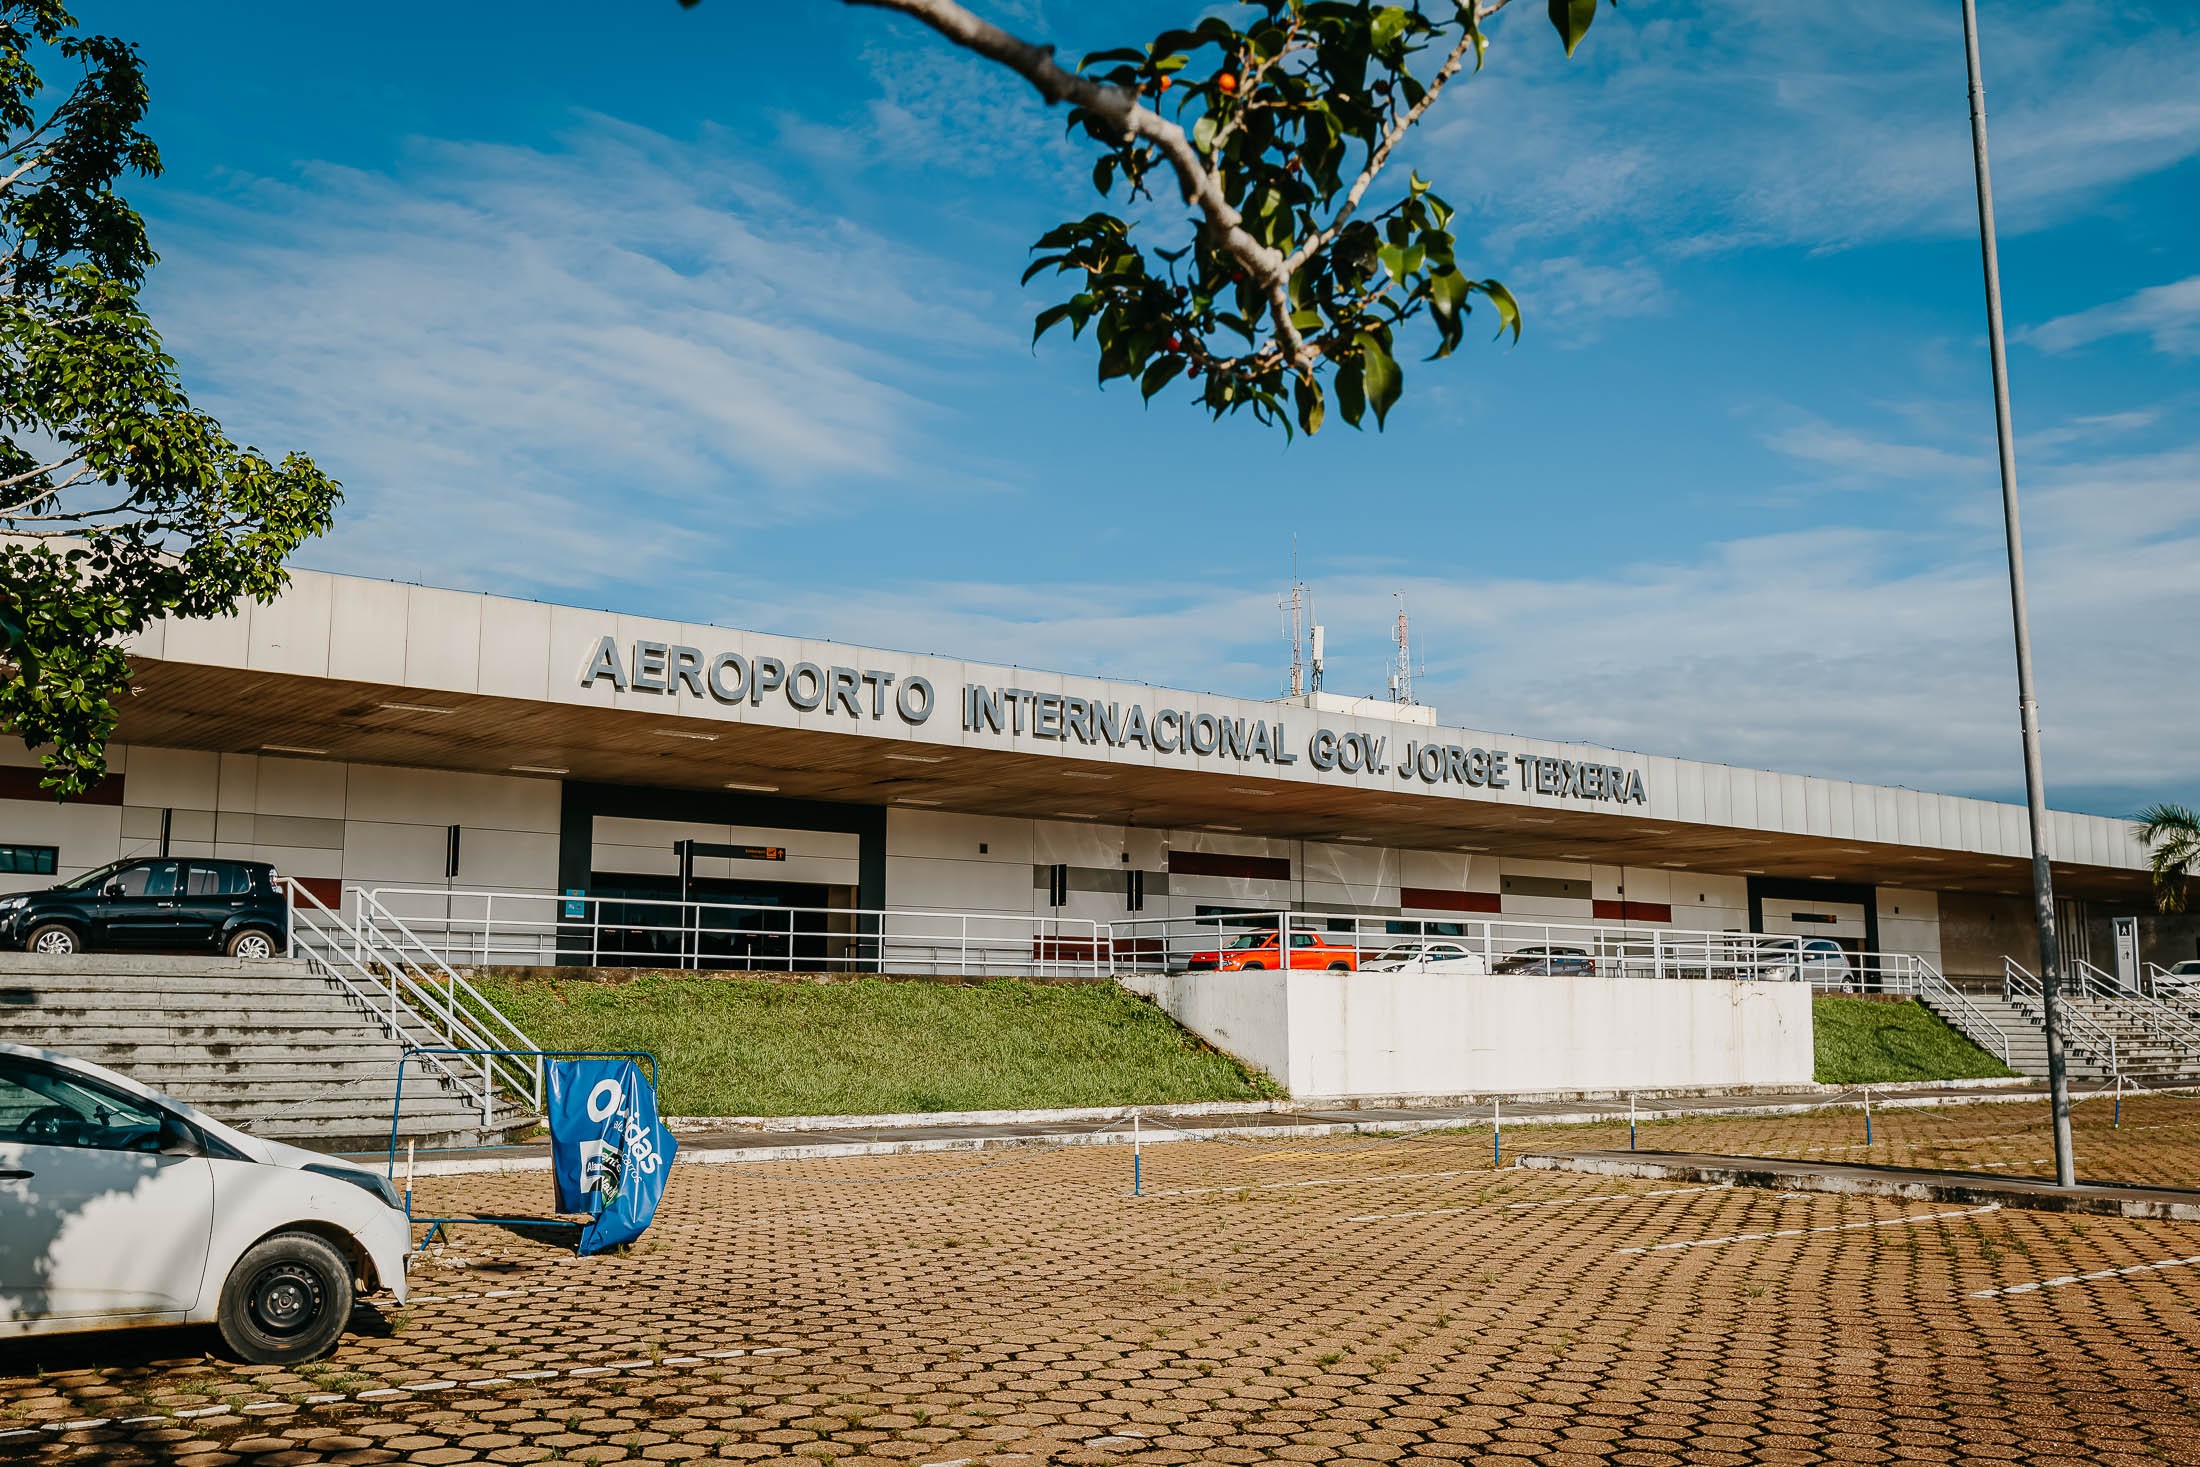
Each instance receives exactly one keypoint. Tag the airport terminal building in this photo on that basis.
(366, 734)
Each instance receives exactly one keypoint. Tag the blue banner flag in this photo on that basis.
(609, 1153)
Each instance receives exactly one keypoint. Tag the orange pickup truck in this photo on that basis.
(1258, 950)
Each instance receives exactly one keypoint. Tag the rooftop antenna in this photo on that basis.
(1297, 606)
(1317, 681)
(1401, 681)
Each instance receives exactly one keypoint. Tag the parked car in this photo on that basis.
(196, 903)
(120, 1206)
(2181, 978)
(1548, 962)
(1250, 950)
(1819, 961)
(1426, 957)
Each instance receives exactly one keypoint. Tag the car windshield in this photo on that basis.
(93, 880)
(2189, 968)
(1252, 939)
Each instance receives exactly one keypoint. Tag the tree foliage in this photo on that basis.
(1275, 121)
(119, 503)
(2172, 837)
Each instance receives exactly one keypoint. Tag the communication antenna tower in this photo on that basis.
(1401, 681)
(1317, 682)
(1297, 607)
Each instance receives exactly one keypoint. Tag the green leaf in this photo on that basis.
(1352, 392)
(1390, 24)
(1157, 375)
(1380, 372)
(1572, 18)
(1508, 309)
(1203, 133)
(1047, 320)
(1306, 394)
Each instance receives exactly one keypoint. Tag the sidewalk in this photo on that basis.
(824, 1137)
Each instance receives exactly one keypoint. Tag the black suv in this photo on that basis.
(230, 906)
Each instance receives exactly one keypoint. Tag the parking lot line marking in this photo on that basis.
(1621, 1196)
(2086, 1278)
(1556, 1202)
(1318, 1182)
(1883, 1222)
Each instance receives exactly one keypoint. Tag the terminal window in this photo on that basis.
(29, 860)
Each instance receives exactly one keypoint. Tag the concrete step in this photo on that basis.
(210, 990)
(299, 1024)
(155, 967)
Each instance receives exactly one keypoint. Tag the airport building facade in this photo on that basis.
(363, 733)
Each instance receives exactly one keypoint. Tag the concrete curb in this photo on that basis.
(1306, 1106)
(697, 1152)
(2101, 1199)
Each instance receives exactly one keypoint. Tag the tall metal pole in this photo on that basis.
(2028, 707)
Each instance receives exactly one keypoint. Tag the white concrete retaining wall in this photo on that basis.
(1346, 1034)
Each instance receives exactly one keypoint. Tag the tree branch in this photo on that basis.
(1201, 189)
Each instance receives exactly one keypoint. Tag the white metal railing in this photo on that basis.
(1934, 990)
(2021, 986)
(401, 992)
(1328, 940)
(471, 1020)
(517, 928)
(2143, 1011)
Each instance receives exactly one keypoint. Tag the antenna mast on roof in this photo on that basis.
(1297, 606)
(1401, 681)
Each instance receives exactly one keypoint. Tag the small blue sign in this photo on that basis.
(576, 907)
(609, 1153)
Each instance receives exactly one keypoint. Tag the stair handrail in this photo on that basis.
(2020, 984)
(475, 1022)
(1931, 982)
(370, 989)
(2158, 1019)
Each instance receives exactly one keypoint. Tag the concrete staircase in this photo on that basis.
(268, 1047)
(2143, 1051)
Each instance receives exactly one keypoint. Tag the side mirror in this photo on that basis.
(112, 888)
(178, 1138)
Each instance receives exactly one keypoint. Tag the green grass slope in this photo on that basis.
(1863, 1041)
(733, 1046)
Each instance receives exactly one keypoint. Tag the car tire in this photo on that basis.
(1252, 967)
(1340, 967)
(287, 1300)
(53, 940)
(252, 944)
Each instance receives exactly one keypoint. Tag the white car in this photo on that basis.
(1818, 961)
(1426, 957)
(119, 1206)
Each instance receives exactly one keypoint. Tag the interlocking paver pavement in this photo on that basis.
(1318, 1301)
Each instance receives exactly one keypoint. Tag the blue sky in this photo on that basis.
(714, 314)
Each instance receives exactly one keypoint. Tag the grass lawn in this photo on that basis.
(735, 1046)
(1863, 1041)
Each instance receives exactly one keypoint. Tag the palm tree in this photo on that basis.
(2172, 834)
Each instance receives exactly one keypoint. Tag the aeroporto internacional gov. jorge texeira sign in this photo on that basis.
(870, 695)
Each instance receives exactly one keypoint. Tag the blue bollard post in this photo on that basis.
(1630, 1120)
(1137, 1181)
(1497, 1132)
(2119, 1120)
(1867, 1117)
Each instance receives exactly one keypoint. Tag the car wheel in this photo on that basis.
(286, 1301)
(1340, 967)
(1252, 967)
(252, 943)
(54, 940)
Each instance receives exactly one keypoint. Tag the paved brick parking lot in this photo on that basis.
(1323, 1301)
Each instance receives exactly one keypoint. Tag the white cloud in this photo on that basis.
(545, 352)
(1874, 654)
(1574, 298)
(2167, 315)
(1853, 453)
(1735, 122)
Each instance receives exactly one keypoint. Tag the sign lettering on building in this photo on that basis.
(872, 695)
